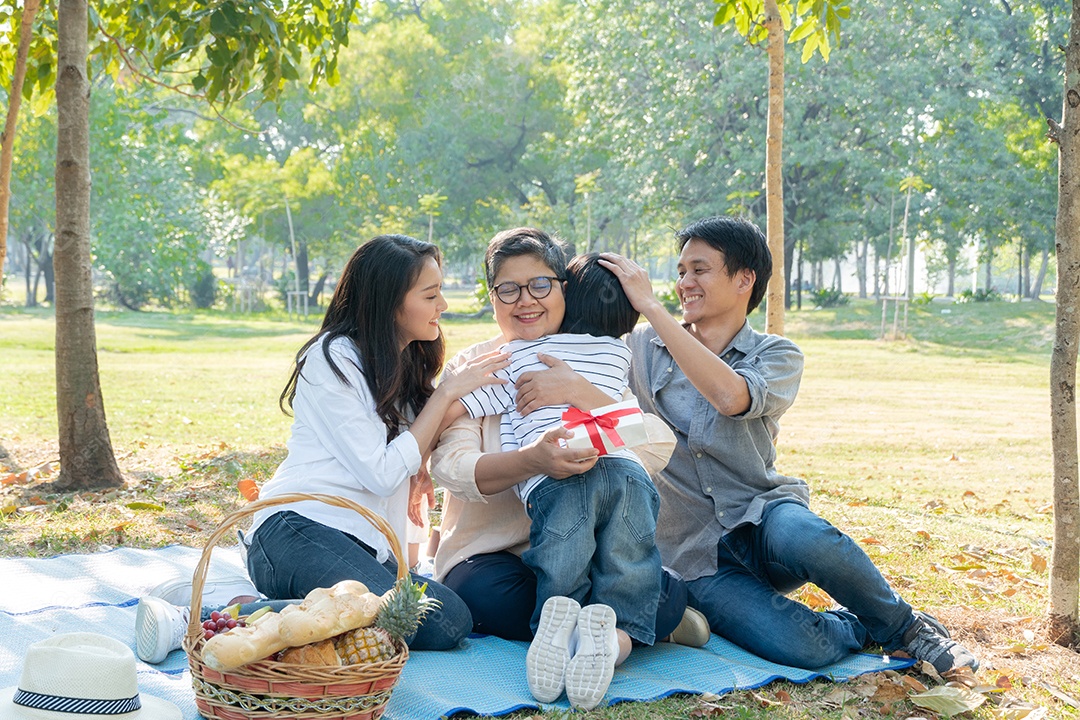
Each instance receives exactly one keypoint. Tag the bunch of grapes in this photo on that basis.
(219, 623)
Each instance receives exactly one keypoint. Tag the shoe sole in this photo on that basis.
(148, 635)
(590, 670)
(549, 652)
(693, 630)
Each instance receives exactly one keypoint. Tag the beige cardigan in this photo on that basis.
(472, 523)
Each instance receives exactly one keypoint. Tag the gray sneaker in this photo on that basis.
(933, 622)
(159, 629)
(922, 641)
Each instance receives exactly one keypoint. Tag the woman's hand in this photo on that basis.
(420, 486)
(473, 374)
(557, 386)
(549, 457)
(634, 280)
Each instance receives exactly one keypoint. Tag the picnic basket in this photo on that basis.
(267, 689)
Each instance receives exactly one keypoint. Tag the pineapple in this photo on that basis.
(399, 616)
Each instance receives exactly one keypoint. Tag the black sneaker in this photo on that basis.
(922, 641)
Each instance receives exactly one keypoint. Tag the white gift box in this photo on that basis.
(606, 426)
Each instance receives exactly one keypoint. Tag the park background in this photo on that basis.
(610, 123)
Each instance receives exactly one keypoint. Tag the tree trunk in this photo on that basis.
(910, 292)
(1036, 288)
(86, 455)
(861, 264)
(837, 276)
(774, 184)
(989, 265)
(1065, 567)
(1026, 267)
(7, 139)
(952, 276)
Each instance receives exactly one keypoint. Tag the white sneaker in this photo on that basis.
(549, 653)
(217, 591)
(590, 670)
(159, 628)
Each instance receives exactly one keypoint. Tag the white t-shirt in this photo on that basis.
(603, 361)
(338, 446)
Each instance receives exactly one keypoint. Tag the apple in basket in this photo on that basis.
(343, 624)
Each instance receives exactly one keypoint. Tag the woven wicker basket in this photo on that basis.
(269, 689)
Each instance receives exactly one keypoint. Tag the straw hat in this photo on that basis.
(81, 675)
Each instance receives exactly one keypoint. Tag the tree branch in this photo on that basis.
(174, 88)
(1054, 133)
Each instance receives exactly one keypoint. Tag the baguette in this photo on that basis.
(324, 613)
(242, 645)
(327, 612)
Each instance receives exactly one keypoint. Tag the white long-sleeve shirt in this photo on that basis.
(338, 446)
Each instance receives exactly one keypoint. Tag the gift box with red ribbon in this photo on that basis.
(608, 428)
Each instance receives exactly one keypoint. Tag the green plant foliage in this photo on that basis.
(829, 297)
(982, 295)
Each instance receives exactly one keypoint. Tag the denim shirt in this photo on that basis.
(721, 474)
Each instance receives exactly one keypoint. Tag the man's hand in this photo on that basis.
(420, 485)
(552, 459)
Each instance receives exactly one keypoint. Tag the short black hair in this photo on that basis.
(515, 242)
(595, 301)
(743, 245)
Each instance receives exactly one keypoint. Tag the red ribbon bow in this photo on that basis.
(572, 417)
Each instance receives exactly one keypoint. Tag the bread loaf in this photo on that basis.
(320, 653)
(327, 612)
(242, 645)
(324, 613)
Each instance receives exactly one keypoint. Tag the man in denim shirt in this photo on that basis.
(740, 533)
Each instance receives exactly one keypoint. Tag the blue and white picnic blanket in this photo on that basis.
(99, 592)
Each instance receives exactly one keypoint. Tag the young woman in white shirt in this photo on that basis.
(366, 412)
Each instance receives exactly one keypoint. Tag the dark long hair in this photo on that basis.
(364, 309)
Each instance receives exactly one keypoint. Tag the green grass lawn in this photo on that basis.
(932, 450)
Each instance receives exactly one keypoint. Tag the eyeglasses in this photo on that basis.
(538, 287)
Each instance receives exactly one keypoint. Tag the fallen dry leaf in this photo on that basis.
(913, 683)
(889, 692)
(948, 700)
(1038, 563)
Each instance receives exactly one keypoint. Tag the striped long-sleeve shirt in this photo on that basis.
(603, 361)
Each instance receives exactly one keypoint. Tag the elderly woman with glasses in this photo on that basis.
(484, 527)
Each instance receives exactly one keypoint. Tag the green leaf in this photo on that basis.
(948, 700)
(806, 28)
(140, 505)
(724, 14)
(809, 47)
(785, 17)
(219, 23)
(198, 82)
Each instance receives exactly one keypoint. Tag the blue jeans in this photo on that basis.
(500, 590)
(291, 555)
(594, 536)
(745, 603)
